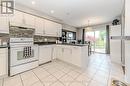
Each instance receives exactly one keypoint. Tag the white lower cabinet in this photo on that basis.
(45, 54)
(3, 61)
(59, 53)
(67, 54)
(75, 55)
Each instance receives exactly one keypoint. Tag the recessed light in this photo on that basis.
(33, 2)
(52, 11)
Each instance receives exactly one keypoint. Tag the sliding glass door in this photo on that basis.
(100, 42)
(97, 40)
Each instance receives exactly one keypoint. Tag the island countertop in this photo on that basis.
(52, 43)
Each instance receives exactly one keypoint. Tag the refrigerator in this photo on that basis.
(116, 44)
(126, 26)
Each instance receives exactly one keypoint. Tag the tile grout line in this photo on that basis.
(21, 80)
(69, 75)
(55, 77)
(94, 74)
(60, 77)
(38, 78)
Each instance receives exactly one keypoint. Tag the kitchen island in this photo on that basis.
(74, 54)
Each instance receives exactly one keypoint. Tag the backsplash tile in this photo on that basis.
(44, 39)
(18, 32)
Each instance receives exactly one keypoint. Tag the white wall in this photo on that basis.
(70, 28)
(100, 27)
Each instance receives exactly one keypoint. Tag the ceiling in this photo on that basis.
(78, 12)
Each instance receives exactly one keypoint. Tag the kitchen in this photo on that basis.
(39, 49)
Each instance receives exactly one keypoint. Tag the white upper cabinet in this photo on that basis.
(42, 27)
(52, 28)
(39, 26)
(29, 20)
(4, 24)
(59, 32)
(22, 19)
(17, 18)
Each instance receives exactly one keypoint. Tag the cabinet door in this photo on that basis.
(29, 20)
(59, 31)
(17, 18)
(52, 28)
(4, 24)
(3, 62)
(54, 52)
(59, 53)
(39, 26)
(45, 54)
(49, 28)
(76, 56)
(67, 55)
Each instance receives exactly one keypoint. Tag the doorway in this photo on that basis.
(97, 38)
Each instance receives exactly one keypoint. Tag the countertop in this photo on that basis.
(4, 46)
(51, 43)
(74, 44)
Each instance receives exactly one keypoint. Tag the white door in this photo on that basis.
(45, 54)
(3, 61)
(39, 26)
(115, 51)
(4, 24)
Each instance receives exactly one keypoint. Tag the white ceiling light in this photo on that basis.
(52, 11)
(33, 2)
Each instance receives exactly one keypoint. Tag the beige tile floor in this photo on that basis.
(57, 73)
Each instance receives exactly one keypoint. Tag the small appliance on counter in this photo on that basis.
(23, 53)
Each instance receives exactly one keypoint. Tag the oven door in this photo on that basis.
(22, 55)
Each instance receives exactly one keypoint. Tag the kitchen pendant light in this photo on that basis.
(88, 27)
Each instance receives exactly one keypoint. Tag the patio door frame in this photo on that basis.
(95, 42)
